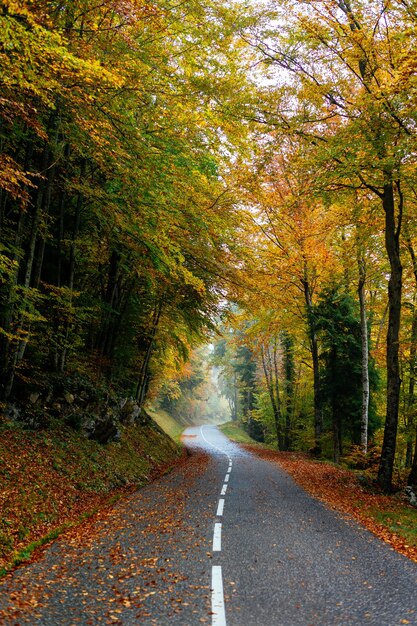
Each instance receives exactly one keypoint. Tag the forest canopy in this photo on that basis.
(115, 213)
(161, 160)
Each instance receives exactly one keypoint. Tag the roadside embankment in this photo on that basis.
(51, 479)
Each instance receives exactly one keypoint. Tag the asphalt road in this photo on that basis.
(225, 539)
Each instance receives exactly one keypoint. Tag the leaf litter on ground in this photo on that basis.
(342, 490)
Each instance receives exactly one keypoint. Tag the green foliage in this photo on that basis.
(337, 320)
(402, 521)
(236, 433)
(263, 413)
(115, 212)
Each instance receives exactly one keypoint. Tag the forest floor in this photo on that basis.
(53, 479)
(389, 517)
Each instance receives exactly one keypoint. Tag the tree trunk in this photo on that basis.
(274, 369)
(17, 353)
(412, 477)
(335, 407)
(76, 228)
(61, 225)
(337, 437)
(392, 234)
(411, 433)
(236, 397)
(318, 419)
(6, 315)
(365, 357)
(8, 311)
(273, 391)
(288, 344)
(143, 378)
(72, 258)
(3, 202)
(410, 404)
(42, 240)
(111, 301)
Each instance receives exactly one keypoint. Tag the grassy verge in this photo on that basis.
(236, 433)
(53, 479)
(402, 522)
(168, 424)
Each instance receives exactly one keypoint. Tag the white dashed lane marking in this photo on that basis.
(220, 508)
(217, 537)
(217, 597)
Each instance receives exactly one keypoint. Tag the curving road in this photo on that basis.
(225, 539)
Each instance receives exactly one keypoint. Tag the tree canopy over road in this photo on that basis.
(170, 171)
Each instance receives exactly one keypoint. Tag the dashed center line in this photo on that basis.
(217, 537)
(212, 444)
(220, 508)
(217, 597)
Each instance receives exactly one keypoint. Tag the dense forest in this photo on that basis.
(239, 174)
(115, 216)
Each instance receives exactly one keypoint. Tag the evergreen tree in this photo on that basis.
(338, 322)
(246, 367)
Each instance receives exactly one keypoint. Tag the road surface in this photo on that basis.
(226, 539)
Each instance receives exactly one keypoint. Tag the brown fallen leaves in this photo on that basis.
(341, 490)
(52, 479)
(128, 562)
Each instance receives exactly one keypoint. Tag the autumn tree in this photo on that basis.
(346, 70)
(115, 217)
(293, 256)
